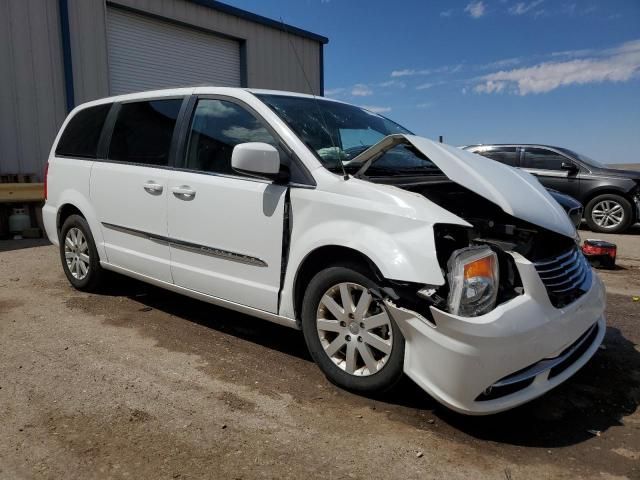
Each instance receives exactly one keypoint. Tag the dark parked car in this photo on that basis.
(611, 197)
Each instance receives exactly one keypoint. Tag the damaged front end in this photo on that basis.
(519, 310)
(507, 211)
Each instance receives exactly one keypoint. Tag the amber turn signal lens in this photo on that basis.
(483, 267)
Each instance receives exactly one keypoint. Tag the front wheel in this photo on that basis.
(609, 213)
(349, 334)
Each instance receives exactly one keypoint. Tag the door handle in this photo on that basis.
(153, 188)
(184, 192)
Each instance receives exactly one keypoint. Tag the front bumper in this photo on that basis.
(509, 356)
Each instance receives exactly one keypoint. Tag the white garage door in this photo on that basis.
(146, 53)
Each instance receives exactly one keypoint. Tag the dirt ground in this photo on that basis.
(141, 383)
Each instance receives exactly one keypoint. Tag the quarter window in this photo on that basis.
(506, 155)
(216, 128)
(80, 137)
(542, 159)
(143, 131)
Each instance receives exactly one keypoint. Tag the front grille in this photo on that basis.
(566, 277)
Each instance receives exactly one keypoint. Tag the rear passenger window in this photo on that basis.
(80, 137)
(542, 159)
(506, 155)
(143, 131)
(216, 128)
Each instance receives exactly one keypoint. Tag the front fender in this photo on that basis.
(393, 228)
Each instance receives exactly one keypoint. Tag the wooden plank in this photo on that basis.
(21, 192)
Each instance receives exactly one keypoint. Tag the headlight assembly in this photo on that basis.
(473, 281)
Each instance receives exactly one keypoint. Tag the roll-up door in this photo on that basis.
(146, 53)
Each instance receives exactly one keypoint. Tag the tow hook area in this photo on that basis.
(402, 315)
(387, 299)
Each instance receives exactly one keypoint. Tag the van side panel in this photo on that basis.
(68, 183)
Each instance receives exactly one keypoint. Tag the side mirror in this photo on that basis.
(256, 159)
(571, 167)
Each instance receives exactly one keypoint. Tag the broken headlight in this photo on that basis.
(473, 281)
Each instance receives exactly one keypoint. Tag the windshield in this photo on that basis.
(337, 133)
(584, 158)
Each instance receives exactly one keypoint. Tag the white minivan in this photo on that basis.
(394, 254)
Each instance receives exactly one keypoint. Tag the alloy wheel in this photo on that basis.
(354, 330)
(76, 253)
(608, 214)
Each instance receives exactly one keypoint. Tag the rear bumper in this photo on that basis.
(50, 221)
(513, 354)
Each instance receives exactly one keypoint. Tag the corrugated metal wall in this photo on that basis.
(32, 100)
(146, 53)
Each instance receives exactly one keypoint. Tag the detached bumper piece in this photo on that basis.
(551, 367)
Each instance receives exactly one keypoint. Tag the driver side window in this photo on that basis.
(542, 159)
(216, 127)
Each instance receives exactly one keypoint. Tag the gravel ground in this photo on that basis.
(141, 383)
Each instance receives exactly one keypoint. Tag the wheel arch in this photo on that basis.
(610, 191)
(64, 212)
(317, 260)
(74, 202)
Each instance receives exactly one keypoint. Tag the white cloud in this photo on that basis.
(376, 109)
(403, 73)
(619, 64)
(425, 105)
(392, 83)
(361, 90)
(243, 134)
(215, 109)
(521, 8)
(333, 91)
(425, 86)
(446, 13)
(476, 9)
(408, 72)
(507, 62)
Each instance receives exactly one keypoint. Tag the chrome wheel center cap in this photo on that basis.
(354, 328)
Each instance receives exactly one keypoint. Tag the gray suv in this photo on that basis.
(611, 197)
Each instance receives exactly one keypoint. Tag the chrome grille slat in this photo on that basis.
(566, 277)
(545, 277)
(557, 259)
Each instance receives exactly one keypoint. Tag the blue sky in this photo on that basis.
(563, 72)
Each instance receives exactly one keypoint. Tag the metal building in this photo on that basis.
(55, 54)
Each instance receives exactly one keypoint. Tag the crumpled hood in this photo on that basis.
(516, 192)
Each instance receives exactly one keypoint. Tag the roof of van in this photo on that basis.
(181, 91)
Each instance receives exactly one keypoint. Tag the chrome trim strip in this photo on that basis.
(194, 247)
(546, 364)
(217, 252)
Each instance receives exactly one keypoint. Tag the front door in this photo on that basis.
(225, 229)
(129, 188)
(547, 166)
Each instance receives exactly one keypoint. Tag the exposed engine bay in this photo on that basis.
(492, 227)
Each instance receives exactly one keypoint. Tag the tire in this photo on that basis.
(609, 213)
(383, 370)
(89, 278)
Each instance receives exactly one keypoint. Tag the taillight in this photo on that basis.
(46, 177)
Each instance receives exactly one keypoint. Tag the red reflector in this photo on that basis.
(598, 247)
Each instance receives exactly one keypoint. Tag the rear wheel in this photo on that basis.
(78, 254)
(609, 213)
(349, 334)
